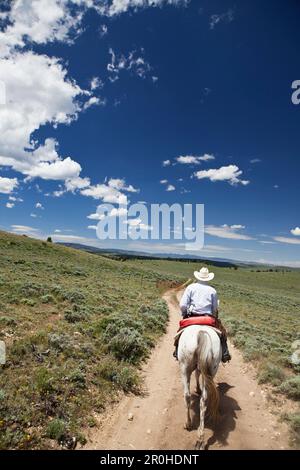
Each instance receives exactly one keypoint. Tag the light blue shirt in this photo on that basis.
(200, 299)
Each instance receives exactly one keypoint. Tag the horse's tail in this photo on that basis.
(205, 357)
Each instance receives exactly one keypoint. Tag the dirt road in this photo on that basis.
(155, 420)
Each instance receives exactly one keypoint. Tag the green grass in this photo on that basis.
(76, 328)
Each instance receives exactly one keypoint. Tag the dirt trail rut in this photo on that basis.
(158, 417)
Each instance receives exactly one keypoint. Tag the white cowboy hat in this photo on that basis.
(204, 275)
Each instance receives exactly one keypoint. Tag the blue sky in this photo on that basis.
(99, 94)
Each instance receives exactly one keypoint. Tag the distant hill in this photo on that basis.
(128, 254)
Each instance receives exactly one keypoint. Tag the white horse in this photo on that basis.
(199, 350)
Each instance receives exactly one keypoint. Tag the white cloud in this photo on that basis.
(207, 157)
(24, 229)
(34, 216)
(110, 192)
(40, 21)
(116, 7)
(93, 101)
(116, 212)
(134, 62)
(57, 193)
(95, 83)
(166, 163)
(77, 183)
(236, 227)
(212, 248)
(39, 206)
(15, 199)
(296, 231)
(120, 185)
(193, 159)
(170, 187)
(59, 170)
(10, 205)
(163, 181)
(44, 21)
(226, 17)
(230, 173)
(255, 160)
(227, 231)
(92, 227)
(69, 238)
(94, 216)
(187, 160)
(106, 193)
(38, 93)
(288, 240)
(8, 185)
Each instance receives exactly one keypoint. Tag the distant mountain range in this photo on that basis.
(140, 254)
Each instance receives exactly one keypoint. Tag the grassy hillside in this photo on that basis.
(76, 327)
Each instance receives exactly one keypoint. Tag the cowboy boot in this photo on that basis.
(226, 357)
(175, 352)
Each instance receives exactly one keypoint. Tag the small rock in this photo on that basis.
(148, 431)
(130, 417)
(252, 394)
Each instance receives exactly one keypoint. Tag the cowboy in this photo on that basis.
(201, 299)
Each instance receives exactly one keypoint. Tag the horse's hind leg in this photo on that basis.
(186, 378)
(200, 443)
(197, 374)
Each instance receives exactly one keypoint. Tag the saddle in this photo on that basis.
(207, 320)
(198, 320)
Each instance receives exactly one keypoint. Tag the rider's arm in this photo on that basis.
(185, 301)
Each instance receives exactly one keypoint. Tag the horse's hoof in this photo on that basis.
(199, 445)
(187, 426)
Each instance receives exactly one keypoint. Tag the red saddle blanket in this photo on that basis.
(198, 320)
